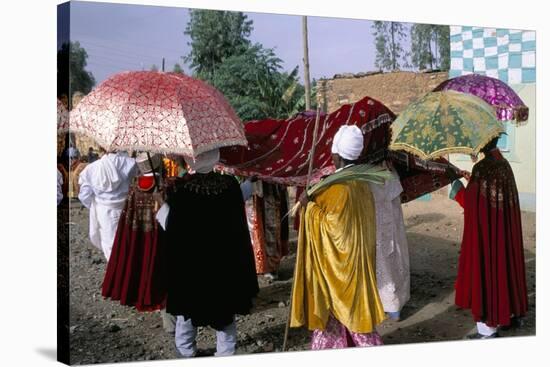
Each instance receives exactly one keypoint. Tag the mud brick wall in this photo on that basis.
(394, 89)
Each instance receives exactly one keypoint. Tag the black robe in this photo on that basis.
(210, 263)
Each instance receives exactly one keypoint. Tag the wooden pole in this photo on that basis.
(309, 172)
(307, 85)
(314, 145)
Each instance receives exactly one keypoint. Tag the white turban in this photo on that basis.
(348, 142)
(204, 162)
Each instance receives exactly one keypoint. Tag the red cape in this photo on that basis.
(491, 271)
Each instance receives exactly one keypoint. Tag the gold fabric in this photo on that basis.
(335, 264)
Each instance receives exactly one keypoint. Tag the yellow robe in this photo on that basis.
(335, 262)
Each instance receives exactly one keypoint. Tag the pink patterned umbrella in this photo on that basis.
(62, 118)
(157, 112)
(495, 92)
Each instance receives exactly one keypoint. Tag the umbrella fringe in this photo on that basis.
(452, 150)
(181, 151)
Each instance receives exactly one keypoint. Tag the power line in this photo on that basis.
(122, 42)
(120, 50)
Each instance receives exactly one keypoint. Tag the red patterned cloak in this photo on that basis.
(491, 271)
(136, 274)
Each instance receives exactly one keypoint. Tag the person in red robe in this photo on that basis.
(135, 275)
(491, 271)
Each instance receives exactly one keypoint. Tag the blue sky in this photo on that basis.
(122, 37)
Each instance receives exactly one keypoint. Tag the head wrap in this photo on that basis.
(204, 162)
(348, 142)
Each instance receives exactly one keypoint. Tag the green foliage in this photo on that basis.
(72, 75)
(255, 85)
(177, 69)
(430, 46)
(250, 76)
(154, 67)
(422, 55)
(444, 42)
(390, 54)
(300, 105)
(379, 33)
(215, 36)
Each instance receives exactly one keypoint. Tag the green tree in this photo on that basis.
(177, 69)
(430, 46)
(300, 104)
(256, 86)
(388, 36)
(154, 67)
(72, 75)
(422, 54)
(215, 36)
(443, 37)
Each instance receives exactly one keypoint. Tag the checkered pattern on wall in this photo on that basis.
(506, 54)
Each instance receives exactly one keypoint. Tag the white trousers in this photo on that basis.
(186, 333)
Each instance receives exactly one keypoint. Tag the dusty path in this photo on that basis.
(103, 331)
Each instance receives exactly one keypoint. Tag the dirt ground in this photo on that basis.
(103, 331)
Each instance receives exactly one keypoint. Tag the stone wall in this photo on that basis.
(394, 89)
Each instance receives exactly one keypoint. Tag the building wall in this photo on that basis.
(506, 54)
(395, 89)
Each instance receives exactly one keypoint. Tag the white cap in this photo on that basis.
(348, 142)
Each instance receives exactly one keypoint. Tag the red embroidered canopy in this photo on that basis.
(278, 150)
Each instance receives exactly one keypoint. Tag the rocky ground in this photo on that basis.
(103, 331)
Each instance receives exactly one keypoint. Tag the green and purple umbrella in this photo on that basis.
(443, 123)
(507, 104)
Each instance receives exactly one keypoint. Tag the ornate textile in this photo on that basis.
(268, 230)
(392, 252)
(445, 122)
(336, 336)
(278, 149)
(157, 112)
(136, 274)
(491, 270)
(335, 265)
(507, 104)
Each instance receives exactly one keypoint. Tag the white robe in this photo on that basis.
(392, 252)
(104, 186)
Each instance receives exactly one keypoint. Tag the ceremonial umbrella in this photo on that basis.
(507, 104)
(445, 122)
(62, 118)
(157, 112)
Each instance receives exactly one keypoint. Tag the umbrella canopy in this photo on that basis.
(158, 112)
(62, 118)
(279, 149)
(507, 104)
(445, 122)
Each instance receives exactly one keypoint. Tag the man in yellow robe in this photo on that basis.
(335, 292)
